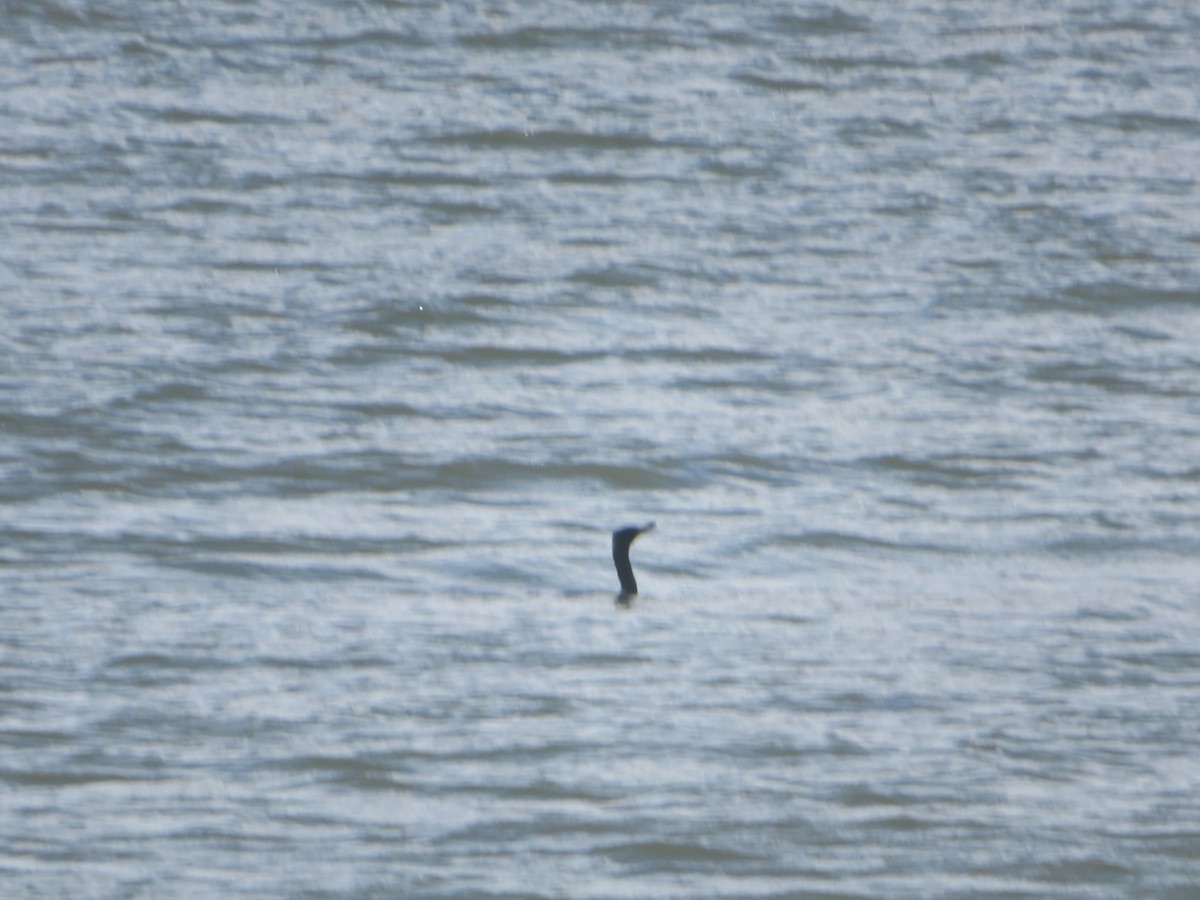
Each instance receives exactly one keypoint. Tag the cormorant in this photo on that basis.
(622, 538)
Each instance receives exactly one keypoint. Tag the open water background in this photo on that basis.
(337, 337)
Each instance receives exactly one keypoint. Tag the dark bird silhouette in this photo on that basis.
(622, 538)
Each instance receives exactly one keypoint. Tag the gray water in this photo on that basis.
(338, 337)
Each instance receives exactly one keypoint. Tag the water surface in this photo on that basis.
(338, 338)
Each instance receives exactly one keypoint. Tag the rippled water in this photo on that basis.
(338, 337)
